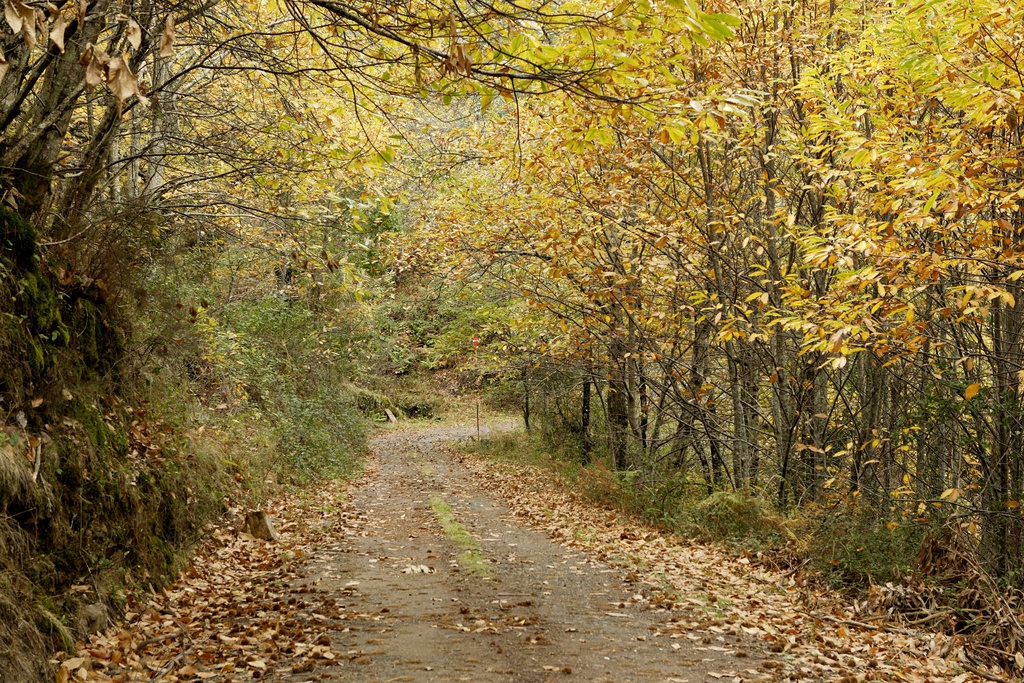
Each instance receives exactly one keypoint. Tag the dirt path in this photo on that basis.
(441, 583)
(435, 565)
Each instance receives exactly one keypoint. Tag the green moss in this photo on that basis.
(41, 307)
(18, 239)
(92, 421)
(52, 624)
(38, 327)
(93, 338)
(36, 355)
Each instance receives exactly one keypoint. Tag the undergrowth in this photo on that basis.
(848, 547)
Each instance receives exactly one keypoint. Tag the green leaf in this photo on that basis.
(715, 28)
(727, 19)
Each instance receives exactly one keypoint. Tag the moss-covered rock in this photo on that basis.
(36, 328)
(45, 331)
(96, 342)
(40, 305)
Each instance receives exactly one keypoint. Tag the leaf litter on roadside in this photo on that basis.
(708, 594)
(240, 612)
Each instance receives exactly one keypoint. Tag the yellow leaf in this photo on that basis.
(972, 391)
(892, 526)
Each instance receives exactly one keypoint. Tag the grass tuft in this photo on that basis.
(471, 558)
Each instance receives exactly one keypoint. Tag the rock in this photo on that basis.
(95, 618)
(259, 525)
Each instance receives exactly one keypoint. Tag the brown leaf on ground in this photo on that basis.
(717, 592)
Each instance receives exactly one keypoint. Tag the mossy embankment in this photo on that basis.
(94, 494)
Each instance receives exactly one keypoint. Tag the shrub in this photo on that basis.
(736, 515)
(851, 545)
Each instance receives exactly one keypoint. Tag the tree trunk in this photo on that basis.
(526, 400)
(618, 405)
(585, 420)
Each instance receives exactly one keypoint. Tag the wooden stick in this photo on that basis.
(984, 674)
(38, 463)
(930, 617)
(157, 639)
(166, 668)
(861, 624)
(792, 571)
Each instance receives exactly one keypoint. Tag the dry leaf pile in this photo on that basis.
(960, 596)
(810, 633)
(242, 611)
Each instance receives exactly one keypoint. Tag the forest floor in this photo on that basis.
(436, 565)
